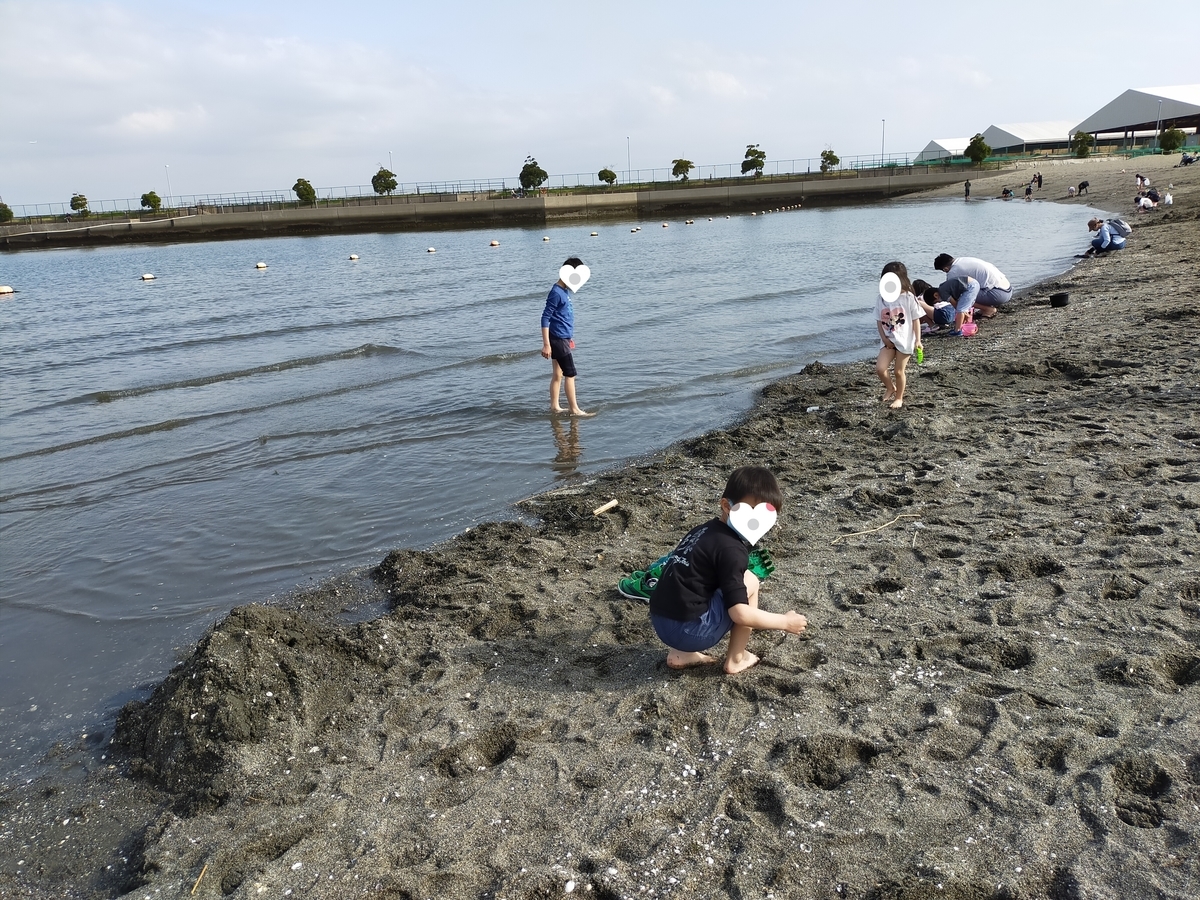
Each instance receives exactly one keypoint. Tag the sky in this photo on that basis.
(110, 99)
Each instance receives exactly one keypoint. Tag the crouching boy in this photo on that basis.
(705, 590)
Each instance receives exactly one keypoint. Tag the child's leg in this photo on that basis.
(738, 659)
(571, 404)
(556, 379)
(901, 365)
(886, 355)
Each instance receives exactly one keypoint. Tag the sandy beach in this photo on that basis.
(998, 695)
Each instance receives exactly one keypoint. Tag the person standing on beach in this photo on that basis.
(706, 590)
(558, 330)
(899, 322)
(994, 287)
(967, 190)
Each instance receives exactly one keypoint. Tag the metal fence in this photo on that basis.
(478, 188)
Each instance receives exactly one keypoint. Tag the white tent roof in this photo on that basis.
(941, 147)
(1139, 107)
(1028, 133)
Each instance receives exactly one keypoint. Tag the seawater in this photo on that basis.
(172, 448)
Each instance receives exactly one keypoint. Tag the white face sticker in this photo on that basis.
(752, 522)
(574, 277)
(889, 287)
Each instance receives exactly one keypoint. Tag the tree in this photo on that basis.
(6, 213)
(151, 201)
(305, 192)
(533, 175)
(383, 181)
(1171, 139)
(829, 159)
(607, 175)
(754, 161)
(1082, 143)
(977, 150)
(681, 167)
(79, 204)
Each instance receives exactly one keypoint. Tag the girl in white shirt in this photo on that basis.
(899, 322)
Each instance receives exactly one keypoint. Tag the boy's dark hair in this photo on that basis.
(900, 271)
(931, 295)
(920, 286)
(753, 481)
(943, 262)
(573, 261)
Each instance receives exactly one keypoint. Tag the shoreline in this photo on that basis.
(1021, 670)
(465, 211)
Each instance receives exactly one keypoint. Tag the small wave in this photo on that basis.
(366, 350)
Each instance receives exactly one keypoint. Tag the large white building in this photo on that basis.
(1029, 137)
(1145, 111)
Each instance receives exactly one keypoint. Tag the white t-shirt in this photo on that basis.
(985, 273)
(900, 319)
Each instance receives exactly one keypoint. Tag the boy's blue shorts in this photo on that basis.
(690, 637)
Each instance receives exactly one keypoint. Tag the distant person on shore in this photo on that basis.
(898, 320)
(706, 590)
(1143, 203)
(1083, 188)
(1029, 192)
(1106, 240)
(558, 330)
(1038, 176)
(1006, 194)
(967, 190)
(995, 290)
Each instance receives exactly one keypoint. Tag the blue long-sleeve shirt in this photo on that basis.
(1107, 239)
(559, 315)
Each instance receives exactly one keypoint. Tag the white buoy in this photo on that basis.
(633, 231)
(260, 265)
(354, 256)
(545, 238)
(595, 233)
(431, 250)
(7, 289)
(494, 244)
(149, 276)
(665, 224)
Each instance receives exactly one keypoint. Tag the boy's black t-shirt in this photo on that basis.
(710, 556)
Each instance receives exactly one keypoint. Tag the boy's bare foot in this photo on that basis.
(582, 413)
(897, 403)
(888, 397)
(558, 410)
(677, 659)
(746, 661)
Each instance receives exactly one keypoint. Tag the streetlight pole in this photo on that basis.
(628, 157)
(390, 169)
(1158, 127)
(882, 137)
(167, 169)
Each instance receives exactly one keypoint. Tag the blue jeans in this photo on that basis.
(691, 637)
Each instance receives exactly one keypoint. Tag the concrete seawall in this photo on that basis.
(470, 210)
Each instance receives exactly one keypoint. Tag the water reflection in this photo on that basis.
(566, 439)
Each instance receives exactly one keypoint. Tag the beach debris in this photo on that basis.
(605, 507)
(354, 256)
(148, 276)
(199, 879)
(843, 537)
(260, 265)
(494, 244)
(569, 887)
(813, 409)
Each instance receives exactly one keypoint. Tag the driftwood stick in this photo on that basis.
(842, 537)
(599, 510)
(198, 880)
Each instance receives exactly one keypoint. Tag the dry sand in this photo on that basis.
(998, 695)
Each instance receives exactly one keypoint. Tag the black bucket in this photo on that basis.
(1058, 301)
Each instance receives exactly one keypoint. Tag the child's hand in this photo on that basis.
(545, 351)
(795, 623)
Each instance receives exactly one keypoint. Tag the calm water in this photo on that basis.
(170, 449)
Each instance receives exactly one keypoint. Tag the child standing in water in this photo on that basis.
(898, 321)
(558, 328)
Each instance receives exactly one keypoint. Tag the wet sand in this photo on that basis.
(998, 695)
